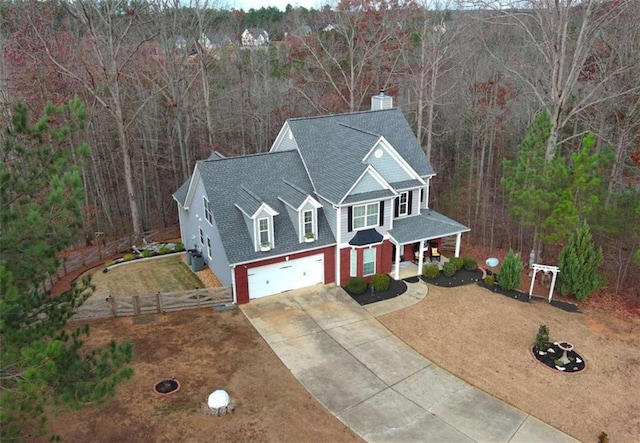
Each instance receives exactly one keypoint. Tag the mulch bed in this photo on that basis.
(396, 287)
(464, 277)
(553, 353)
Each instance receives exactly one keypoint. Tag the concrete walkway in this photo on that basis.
(376, 384)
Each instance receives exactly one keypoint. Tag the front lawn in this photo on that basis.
(486, 338)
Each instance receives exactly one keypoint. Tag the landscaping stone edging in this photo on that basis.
(137, 260)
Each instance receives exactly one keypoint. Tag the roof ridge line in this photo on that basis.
(301, 191)
(358, 129)
(257, 154)
(251, 193)
(342, 114)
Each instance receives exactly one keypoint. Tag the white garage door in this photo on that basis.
(286, 275)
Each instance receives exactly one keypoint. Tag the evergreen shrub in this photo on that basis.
(469, 264)
(430, 271)
(542, 338)
(356, 286)
(510, 273)
(380, 282)
(458, 261)
(449, 269)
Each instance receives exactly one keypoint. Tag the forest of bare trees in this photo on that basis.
(472, 77)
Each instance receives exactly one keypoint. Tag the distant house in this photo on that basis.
(254, 37)
(214, 40)
(179, 43)
(337, 196)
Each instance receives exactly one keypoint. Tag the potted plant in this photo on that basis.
(265, 246)
(309, 237)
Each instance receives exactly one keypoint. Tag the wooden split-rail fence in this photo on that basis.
(128, 305)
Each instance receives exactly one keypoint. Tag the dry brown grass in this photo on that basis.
(164, 274)
(485, 339)
(205, 351)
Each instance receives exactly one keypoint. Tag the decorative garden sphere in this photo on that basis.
(218, 399)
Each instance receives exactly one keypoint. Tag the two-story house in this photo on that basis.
(254, 37)
(336, 196)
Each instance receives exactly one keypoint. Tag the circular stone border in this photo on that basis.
(177, 382)
(553, 368)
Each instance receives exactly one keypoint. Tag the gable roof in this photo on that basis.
(334, 146)
(253, 180)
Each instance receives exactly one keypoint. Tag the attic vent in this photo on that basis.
(381, 101)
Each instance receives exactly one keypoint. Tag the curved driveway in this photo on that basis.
(376, 384)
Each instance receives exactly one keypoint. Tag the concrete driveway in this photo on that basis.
(376, 384)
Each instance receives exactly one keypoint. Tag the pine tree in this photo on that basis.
(579, 261)
(511, 272)
(40, 214)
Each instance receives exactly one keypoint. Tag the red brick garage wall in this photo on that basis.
(242, 278)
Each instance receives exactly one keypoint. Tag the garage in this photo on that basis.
(286, 275)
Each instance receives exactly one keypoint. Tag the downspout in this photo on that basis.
(396, 275)
(338, 239)
(233, 284)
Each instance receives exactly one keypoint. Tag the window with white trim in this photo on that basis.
(403, 204)
(263, 231)
(353, 272)
(201, 236)
(207, 210)
(366, 216)
(307, 221)
(209, 246)
(369, 261)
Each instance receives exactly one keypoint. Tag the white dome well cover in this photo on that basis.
(218, 399)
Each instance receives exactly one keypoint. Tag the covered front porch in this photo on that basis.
(417, 232)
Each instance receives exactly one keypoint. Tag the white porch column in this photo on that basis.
(458, 241)
(421, 258)
(396, 272)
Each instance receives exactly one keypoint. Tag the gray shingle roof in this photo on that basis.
(246, 200)
(372, 195)
(181, 194)
(333, 147)
(262, 174)
(430, 224)
(405, 184)
(292, 194)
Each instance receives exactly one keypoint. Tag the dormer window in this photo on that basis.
(264, 237)
(307, 221)
(366, 216)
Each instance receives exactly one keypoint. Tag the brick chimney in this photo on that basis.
(381, 101)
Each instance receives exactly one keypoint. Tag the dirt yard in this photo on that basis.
(205, 351)
(485, 338)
